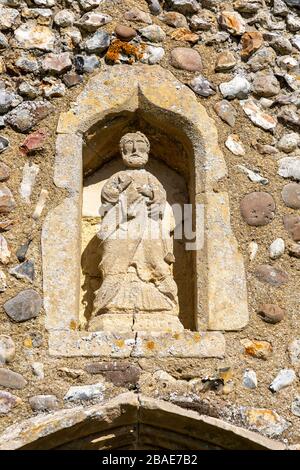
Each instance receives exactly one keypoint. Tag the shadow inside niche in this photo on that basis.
(90, 260)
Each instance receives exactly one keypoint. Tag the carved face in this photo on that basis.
(135, 150)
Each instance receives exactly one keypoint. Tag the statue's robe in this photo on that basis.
(136, 247)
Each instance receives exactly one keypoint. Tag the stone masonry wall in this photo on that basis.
(241, 59)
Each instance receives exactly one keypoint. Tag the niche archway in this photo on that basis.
(184, 139)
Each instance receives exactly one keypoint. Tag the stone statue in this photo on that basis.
(136, 243)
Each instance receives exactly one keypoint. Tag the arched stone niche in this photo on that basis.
(212, 287)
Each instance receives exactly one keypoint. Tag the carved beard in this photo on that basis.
(135, 160)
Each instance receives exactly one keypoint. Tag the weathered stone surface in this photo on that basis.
(289, 167)
(175, 19)
(251, 42)
(258, 208)
(7, 349)
(186, 59)
(86, 392)
(203, 21)
(262, 59)
(227, 293)
(265, 421)
(257, 116)
(40, 403)
(294, 250)
(292, 225)
(284, 378)
(28, 114)
(226, 112)
(271, 275)
(72, 79)
(10, 379)
(3, 282)
(121, 374)
(253, 176)
(9, 17)
(31, 35)
(271, 313)
(7, 402)
(7, 202)
(64, 18)
(93, 20)
(152, 55)
(24, 306)
(256, 348)
(225, 61)
(185, 35)
(289, 142)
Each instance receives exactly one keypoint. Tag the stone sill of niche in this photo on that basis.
(185, 344)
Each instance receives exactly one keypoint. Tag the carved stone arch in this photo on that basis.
(87, 135)
(133, 422)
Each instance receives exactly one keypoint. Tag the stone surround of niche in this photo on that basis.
(142, 97)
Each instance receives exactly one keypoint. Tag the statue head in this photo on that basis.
(135, 149)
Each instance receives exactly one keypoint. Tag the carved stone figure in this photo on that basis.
(135, 240)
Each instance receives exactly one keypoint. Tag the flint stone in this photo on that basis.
(294, 352)
(24, 306)
(238, 87)
(277, 248)
(202, 86)
(86, 392)
(86, 64)
(64, 18)
(232, 22)
(257, 116)
(152, 55)
(33, 36)
(251, 42)
(289, 167)
(250, 379)
(4, 144)
(138, 15)
(57, 63)
(125, 33)
(284, 378)
(153, 33)
(7, 402)
(97, 43)
(7, 202)
(295, 409)
(186, 59)
(4, 44)
(271, 275)
(24, 271)
(4, 250)
(291, 195)
(28, 114)
(7, 349)
(265, 421)
(258, 208)
(265, 84)
(9, 18)
(271, 313)
(289, 142)
(40, 403)
(89, 4)
(225, 61)
(262, 59)
(173, 18)
(258, 349)
(10, 379)
(120, 374)
(292, 225)
(234, 144)
(185, 7)
(226, 112)
(93, 20)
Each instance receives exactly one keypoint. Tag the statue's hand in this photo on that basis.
(124, 182)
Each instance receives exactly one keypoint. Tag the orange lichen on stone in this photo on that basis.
(197, 337)
(117, 48)
(28, 343)
(73, 325)
(184, 34)
(120, 343)
(150, 345)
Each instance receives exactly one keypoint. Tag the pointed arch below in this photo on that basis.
(108, 102)
(131, 421)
